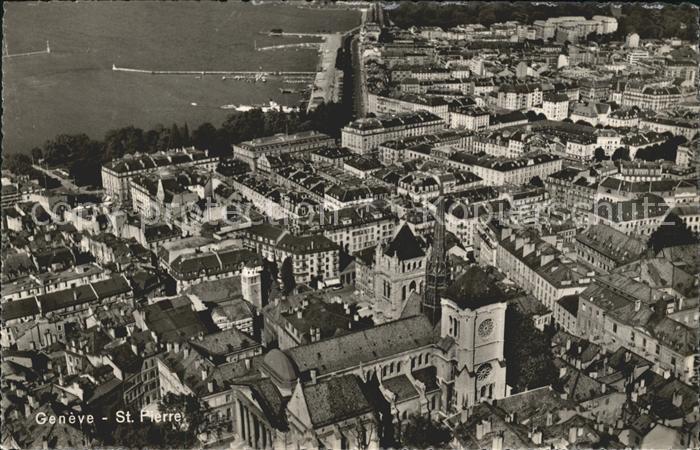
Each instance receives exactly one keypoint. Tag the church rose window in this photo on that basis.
(485, 328)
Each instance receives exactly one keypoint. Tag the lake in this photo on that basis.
(74, 90)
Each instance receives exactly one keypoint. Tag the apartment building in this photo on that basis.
(313, 256)
(617, 311)
(541, 269)
(499, 172)
(379, 104)
(654, 98)
(519, 96)
(606, 248)
(686, 128)
(302, 142)
(555, 106)
(355, 229)
(640, 216)
(395, 151)
(117, 174)
(365, 135)
(470, 118)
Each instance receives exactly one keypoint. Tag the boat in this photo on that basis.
(193, 104)
(270, 106)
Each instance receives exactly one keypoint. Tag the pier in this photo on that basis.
(289, 46)
(46, 51)
(232, 73)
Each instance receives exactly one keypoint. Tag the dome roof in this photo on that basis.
(280, 366)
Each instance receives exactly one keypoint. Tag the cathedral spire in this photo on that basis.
(437, 273)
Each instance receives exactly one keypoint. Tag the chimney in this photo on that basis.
(550, 419)
(487, 426)
(247, 363)
(134, 349)
(637, 305)
(312, 374)
(204, 373)
(537, 437)
(27, 410)
(634, 397)
(677, 399)
(568, 344)
(300, 314)
(45, 444)
(572, 435)
(31, 400)
(479, 431)
(210, 386)
(603, 388)
(562, 372)
(497, 442)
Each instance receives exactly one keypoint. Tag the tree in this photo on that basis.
(267, 279)
(18, 163)
(122, 141)
(37, 154)
(536, 181)
(175, 136)
(599, 155)
(189, 407)
(423, 432)
(621, 153)
(528, 352)
(204, 136)
(531, 116)
(364, 432)
(672, 232)
(287, 276)
(186, 139)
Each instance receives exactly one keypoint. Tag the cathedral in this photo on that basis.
(391, 272)
(329, 394)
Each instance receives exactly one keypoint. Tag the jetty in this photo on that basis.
(45, 51)
(241, 73)
(289, 46)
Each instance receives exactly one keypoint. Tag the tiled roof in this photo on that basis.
(474, 289)
(335, 400)
(612, 243)
(405, 245)
(364, 346)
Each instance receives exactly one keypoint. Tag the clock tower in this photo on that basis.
(473, 315)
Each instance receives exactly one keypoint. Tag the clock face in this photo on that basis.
(485, 328)
(483, 372)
